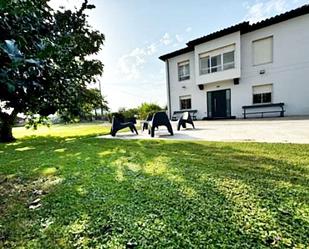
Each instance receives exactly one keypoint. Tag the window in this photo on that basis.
(185, 102)
(217, 63)
(183, 71)
(262, 94)
(228, 60)
(263, 51)
(204, 65)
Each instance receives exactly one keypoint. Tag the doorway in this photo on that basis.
(219, 104)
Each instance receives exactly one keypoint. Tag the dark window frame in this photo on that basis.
(185, 103)
(262, 98)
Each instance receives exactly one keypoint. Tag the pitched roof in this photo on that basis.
(303, 10)
(218, 34)
(244, 27)
(176, 53)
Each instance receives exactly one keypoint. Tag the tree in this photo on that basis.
(89, 101)
(141, 111)
(128, 113)
(145, 108)
(44, 61)
(94, 100)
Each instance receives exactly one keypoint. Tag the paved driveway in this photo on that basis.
(279, 130)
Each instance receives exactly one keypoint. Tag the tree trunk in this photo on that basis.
(6, 126)
(102, 111)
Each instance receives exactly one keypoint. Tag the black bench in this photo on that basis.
(179, 113)
(268, 106)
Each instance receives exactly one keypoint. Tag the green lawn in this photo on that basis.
(68, 189)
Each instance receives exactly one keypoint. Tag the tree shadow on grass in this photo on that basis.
(155, 194)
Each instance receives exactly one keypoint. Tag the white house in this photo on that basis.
(257, 65)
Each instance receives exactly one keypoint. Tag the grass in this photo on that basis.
(71, 130)
(68, 189)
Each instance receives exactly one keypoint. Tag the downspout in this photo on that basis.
(168, 89)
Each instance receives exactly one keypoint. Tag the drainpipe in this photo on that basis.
(168, 89)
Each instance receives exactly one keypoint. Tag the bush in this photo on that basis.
(140, 112)
(128, 113)
(146, 108)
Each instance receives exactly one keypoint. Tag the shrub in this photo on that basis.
(127, 113)
(140, 112)
(145, 108)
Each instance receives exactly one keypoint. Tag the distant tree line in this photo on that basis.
(142, 111)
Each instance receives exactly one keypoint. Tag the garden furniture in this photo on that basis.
(119, 123)
(159, 119)
(185, 119)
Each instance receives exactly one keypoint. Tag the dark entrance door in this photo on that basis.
(218, 104)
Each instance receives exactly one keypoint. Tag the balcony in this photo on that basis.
(218, 60)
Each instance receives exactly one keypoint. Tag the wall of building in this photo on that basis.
(289, 71)
(186, 87)
(217, 44)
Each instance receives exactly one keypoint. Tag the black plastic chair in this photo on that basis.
(185, 119)
(159, 119)
(120, 123)
(146, 122)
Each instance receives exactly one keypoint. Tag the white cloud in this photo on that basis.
(131, 65)
(166, 39)
(151, 49)
(179, 38)
(264, 9)
(188, 29)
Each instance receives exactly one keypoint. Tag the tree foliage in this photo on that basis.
(44, 60)
(141, 111)
(128, 113)
(145, 108)
(90, 100)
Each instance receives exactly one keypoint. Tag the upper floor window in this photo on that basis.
(229, 60)
(262, 94)
(204, 65)
(217, 63)
(183, 70)
(262, 51)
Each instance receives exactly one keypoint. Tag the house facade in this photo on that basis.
(243, 65)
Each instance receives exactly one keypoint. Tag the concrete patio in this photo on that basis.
(277, 130)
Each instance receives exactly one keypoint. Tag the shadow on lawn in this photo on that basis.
(153, 194)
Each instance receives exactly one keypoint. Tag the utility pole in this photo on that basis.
(100, 87)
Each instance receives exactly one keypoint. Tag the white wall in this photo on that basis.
(222, 42)
(289, 72)
(186, 87)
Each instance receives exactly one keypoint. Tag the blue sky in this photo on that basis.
(139, 31)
